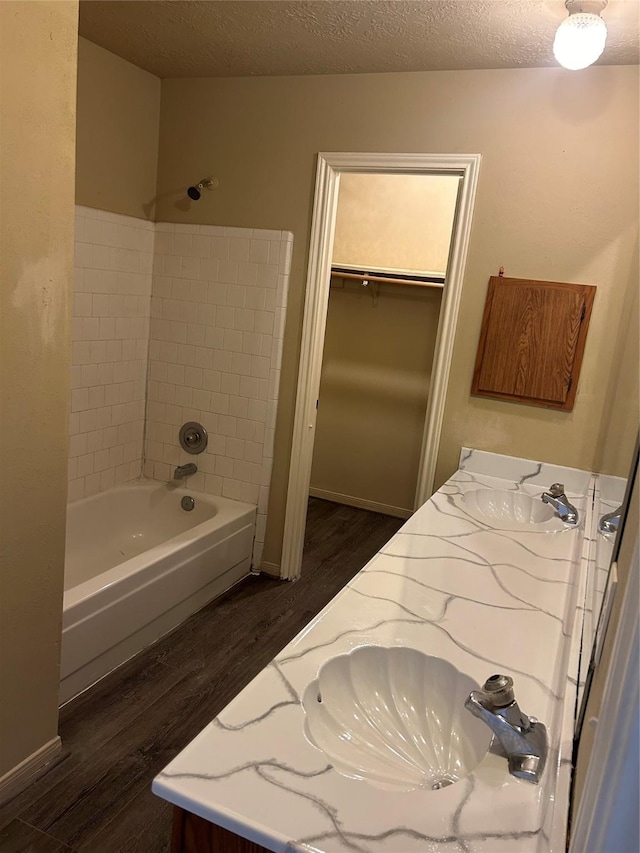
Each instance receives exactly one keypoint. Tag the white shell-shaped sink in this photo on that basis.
(511, 510)
(395, 717)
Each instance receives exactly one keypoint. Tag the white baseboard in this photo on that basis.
(17, 779)
(361, 503)
(271, 569)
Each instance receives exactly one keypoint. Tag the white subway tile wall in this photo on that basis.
(199, 340)
(218, 309)
(112, 296)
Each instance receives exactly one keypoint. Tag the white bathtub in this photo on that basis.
(137, 565)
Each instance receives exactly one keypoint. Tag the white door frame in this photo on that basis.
(330, 167)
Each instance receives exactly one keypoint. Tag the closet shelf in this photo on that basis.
(388, 278)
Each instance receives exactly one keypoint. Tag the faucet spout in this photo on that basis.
(184, 471)
(610, 521)
(556, 498)
(523, 738)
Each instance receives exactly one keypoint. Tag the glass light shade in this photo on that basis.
(580, 40)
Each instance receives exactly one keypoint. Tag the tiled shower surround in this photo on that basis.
(217, 323)
(217, 312)
(112, 295)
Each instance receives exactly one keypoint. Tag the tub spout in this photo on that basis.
(184, 471)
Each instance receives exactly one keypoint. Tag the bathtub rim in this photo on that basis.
(230, 516)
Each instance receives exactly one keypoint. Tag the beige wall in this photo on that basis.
(374, 388)
(619, 424)
(557, 199)
(38, 101)
(395, 221)
(117, 133)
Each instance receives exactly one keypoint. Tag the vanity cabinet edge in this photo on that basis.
(193, 834)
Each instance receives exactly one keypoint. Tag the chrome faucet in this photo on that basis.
(560, 502)
(523, 738)
(184, 471)
(610, 521)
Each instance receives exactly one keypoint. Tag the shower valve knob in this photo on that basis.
(193, 437)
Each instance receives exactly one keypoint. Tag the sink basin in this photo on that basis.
(395, 718)
(510, 510)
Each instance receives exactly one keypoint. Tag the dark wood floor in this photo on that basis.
(121, 733)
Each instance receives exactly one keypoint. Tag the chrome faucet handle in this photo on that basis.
(523, 738)
(497, 698)
(556, 498)
(500, 690)
(556, 490)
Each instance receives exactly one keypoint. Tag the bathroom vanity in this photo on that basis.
(482, 579)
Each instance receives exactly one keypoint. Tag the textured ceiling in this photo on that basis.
(230, 38)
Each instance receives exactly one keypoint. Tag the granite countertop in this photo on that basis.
(486, 600)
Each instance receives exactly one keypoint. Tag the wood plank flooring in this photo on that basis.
(121, 733)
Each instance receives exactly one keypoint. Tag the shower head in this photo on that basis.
(195, 192)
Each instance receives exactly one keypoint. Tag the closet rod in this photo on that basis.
(385, 279)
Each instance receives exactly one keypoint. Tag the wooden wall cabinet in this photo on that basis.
(532, 341)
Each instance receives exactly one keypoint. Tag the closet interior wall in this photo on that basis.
(376, 371)
(380, 338)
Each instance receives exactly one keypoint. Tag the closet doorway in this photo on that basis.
(387, 254)
(389, 260)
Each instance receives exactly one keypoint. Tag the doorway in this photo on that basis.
(329, 170)
(390, 253)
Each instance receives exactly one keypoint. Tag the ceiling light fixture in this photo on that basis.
(581, 37)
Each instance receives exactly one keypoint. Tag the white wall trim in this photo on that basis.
(17, 779)
(445, 337)
(360, 503)
(311, 348)
(329, 168)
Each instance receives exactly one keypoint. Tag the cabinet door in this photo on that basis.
(532, 341)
